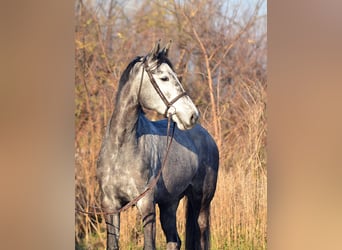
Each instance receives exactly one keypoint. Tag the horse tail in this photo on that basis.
(192, 240)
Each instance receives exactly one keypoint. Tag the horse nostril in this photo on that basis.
(194, 118)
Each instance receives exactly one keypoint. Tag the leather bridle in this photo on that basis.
(160, 93)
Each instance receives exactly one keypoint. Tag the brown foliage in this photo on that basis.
(220, 58)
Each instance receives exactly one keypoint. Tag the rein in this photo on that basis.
(169, 140)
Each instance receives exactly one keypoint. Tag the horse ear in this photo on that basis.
(166, 48)
(154, 52)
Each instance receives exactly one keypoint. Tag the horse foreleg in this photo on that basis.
(168, 223)
(113, 231)
(146, 207)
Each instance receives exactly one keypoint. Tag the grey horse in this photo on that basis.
(133, 149)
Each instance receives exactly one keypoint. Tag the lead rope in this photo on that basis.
(151, 184)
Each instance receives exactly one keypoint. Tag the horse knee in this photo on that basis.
(172, 246)
(146, 208)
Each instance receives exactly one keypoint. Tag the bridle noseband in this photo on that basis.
(160, 93)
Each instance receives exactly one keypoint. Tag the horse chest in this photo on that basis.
(122, 175)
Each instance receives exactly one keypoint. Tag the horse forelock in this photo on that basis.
(162, 58)
(158, 60)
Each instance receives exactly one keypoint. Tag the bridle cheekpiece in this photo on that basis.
(169, 104)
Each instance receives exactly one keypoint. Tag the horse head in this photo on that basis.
(162, 91)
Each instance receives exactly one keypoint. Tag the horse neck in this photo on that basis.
(123, 123)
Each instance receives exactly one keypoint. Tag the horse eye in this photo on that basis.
(165, 78)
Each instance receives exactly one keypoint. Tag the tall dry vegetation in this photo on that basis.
(219, 53)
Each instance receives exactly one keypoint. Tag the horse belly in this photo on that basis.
(175, 180)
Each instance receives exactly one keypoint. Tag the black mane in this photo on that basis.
(125, 75)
